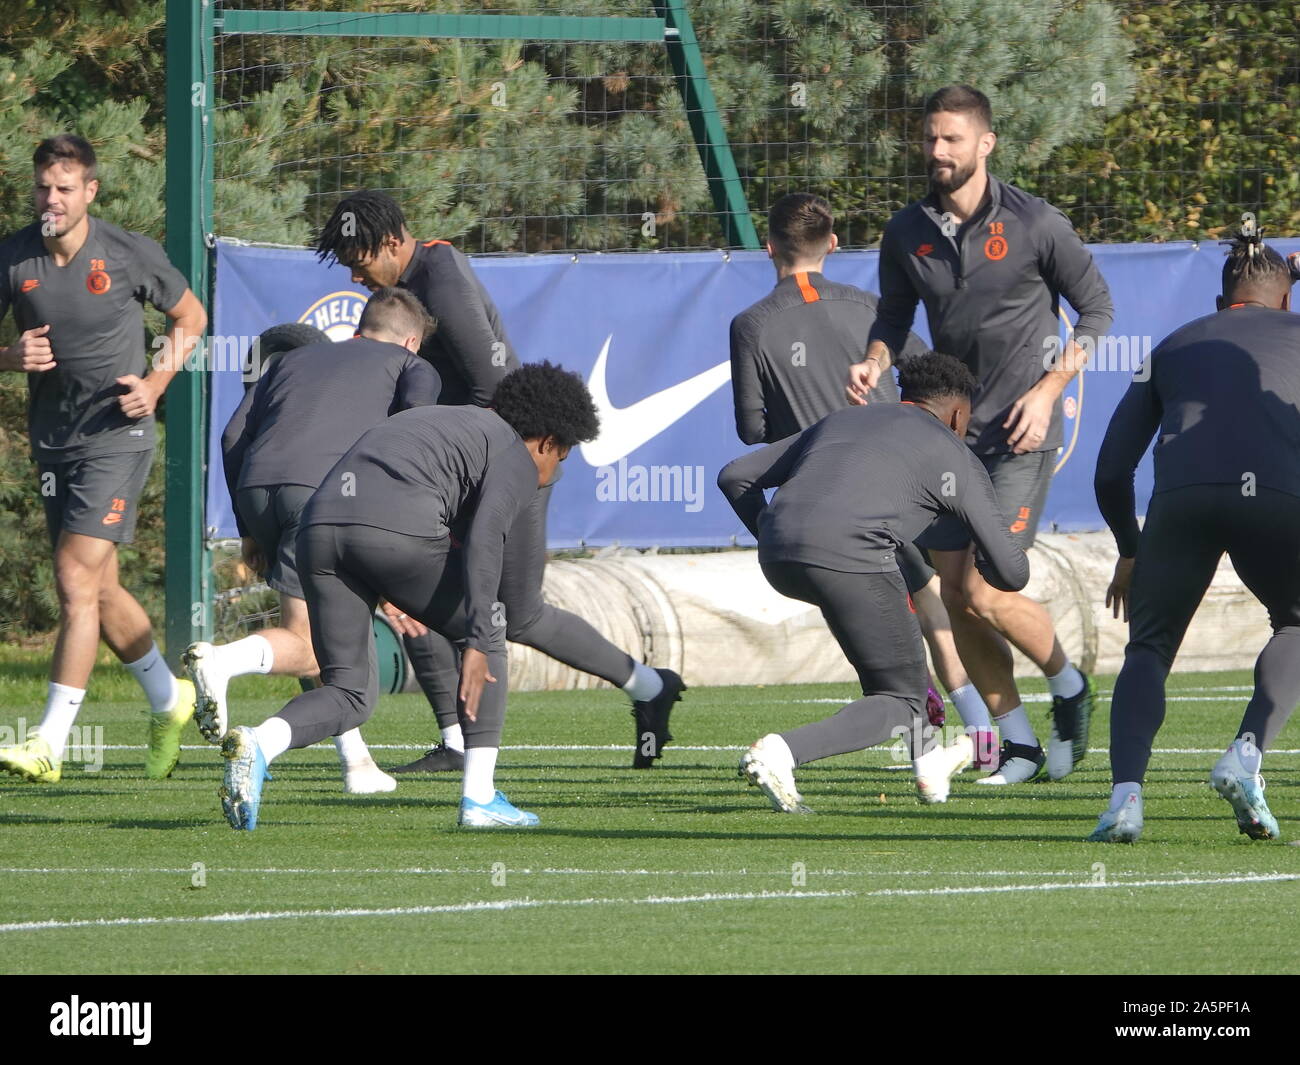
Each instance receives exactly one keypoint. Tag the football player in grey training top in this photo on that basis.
(850, 492)
(310, 405)
(1223, 393)
(470, 350)
(789, 354)
(991, 263)
(418, 512)
(77, 286)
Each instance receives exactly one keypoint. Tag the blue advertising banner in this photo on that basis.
(649, 334)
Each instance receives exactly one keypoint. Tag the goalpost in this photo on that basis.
(192, 28)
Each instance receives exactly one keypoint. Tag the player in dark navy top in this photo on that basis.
(990, 263)
(367, 232)
(789, 354)
(1222, 397)
(77, 286)
(419, 512)
(309, 406)
(849, 492)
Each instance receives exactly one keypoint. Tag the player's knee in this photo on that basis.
(983, 599)
(77, 585)
(953, 595)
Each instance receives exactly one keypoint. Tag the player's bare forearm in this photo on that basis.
(1072, 362)
(879, 350)
(864, 375)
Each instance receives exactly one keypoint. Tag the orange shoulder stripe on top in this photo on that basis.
(810, 294)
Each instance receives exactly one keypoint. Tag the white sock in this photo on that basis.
(643, 684)
(156, 679)
(479, 784)
(352, 749)
(252, 654)
(970, 707)
(61, 708)
(453, 738)
(777, 751)
(1015, 727)
(1066, 683)
(274, 736)
(1120, 792)
(1250, 756)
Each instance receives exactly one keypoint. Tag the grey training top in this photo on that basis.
(1224, 393)
(469, 349)
(427, 471)
(791, 352)
(94, 307)
(992, 296)
(312, 404)
(862, 482)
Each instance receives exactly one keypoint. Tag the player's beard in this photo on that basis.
(947, 186)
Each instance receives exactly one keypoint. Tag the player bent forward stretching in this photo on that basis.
(1224, 394)
(424, 478)
(851, 491)
(308, 408)
(471, 352)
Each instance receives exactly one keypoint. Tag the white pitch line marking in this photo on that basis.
(626, 747)
(784, 873)
(651, 900)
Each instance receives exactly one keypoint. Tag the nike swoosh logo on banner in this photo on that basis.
(624, 429)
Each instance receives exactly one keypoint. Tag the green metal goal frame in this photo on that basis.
(191, 28)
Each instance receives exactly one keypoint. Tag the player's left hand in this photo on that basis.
(140, 398)
(1117, 593)
(403, 623)
(473, 675)
(1029, 421)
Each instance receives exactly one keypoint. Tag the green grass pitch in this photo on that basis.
(678, 869)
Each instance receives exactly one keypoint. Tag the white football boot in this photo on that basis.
(935, 769)
(768, 766)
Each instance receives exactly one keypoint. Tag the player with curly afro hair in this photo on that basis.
(542, 400)
(934, 376)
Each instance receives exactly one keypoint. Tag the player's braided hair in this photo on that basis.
(540, 399)
(1252, 263)
(934, 376)
(359, 226)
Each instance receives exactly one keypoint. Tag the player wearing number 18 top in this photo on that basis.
(991, 263)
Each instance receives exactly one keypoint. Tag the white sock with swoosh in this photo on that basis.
(156, 679)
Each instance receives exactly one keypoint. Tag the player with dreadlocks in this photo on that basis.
(1224, 394)
(470, 350)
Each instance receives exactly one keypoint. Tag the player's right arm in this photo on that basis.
(1134, 423)
(1000, 560)
(418, 385)
(894, 316)
(743, 480)
(30, 353)
(237, 438)
(746, 388)
(508, 485)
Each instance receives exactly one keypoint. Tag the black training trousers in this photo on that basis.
(530, 620)
(1187, 531)
(345, 570)
(871, 616)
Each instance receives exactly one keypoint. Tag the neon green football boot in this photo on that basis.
(32, 761)
(165, 733)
